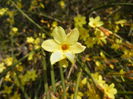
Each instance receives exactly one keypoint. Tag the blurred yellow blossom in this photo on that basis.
(121, 22)
(83, 33)
(79, 21)
(15, 96)
(92, 93)
(110, 91)
(2, 67)
(63, 46)
(7, 90)
(98, 80)
(84, 81)
(30, 40)
(37, 46)
(7, 77)
(54, 24)
(3, 11)
(30, 57)
(100, 37)
(15, 29)
(42, 5)
(98, 63)
(79, 95)
(43, 35)
(29, 76)
(95, 22)
(62, 4)
(88, 40)
(102, 54)
(8, 61)
(37, 40)
(34, 43)
(64, 63)
(20, 68)
(111, 66)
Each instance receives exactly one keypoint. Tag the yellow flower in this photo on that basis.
(8, 61)
(95, 22)
(7, 77)
(79, 21)
(37, 41)
(15, 96)
(121, 22)
(79, 95)
(62, 4)
(98, 80)
(37, 46)
(110, 91)
(2, 67)
(42, 5)
(54, 24)
(7, 90)
(83, 33)
(20, 68)
(3, 11)
(31, 55)
(63, 46)
(92, 92)
(30, 40)
(64, 63)
(15, 29)
(84, 81)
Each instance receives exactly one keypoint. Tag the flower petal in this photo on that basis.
(70, 56)
(50, 45)
(77, 48)
(73, 36)
(97, 18)
(91, 19)
(59, 34)
(56, 56)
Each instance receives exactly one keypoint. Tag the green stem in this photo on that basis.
(45, 77)
(77, 84)
(53, 78)
(63, 82)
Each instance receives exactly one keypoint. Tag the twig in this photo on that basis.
(30, 19)
(110, 5)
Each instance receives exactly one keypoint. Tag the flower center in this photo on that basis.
(64, 47)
